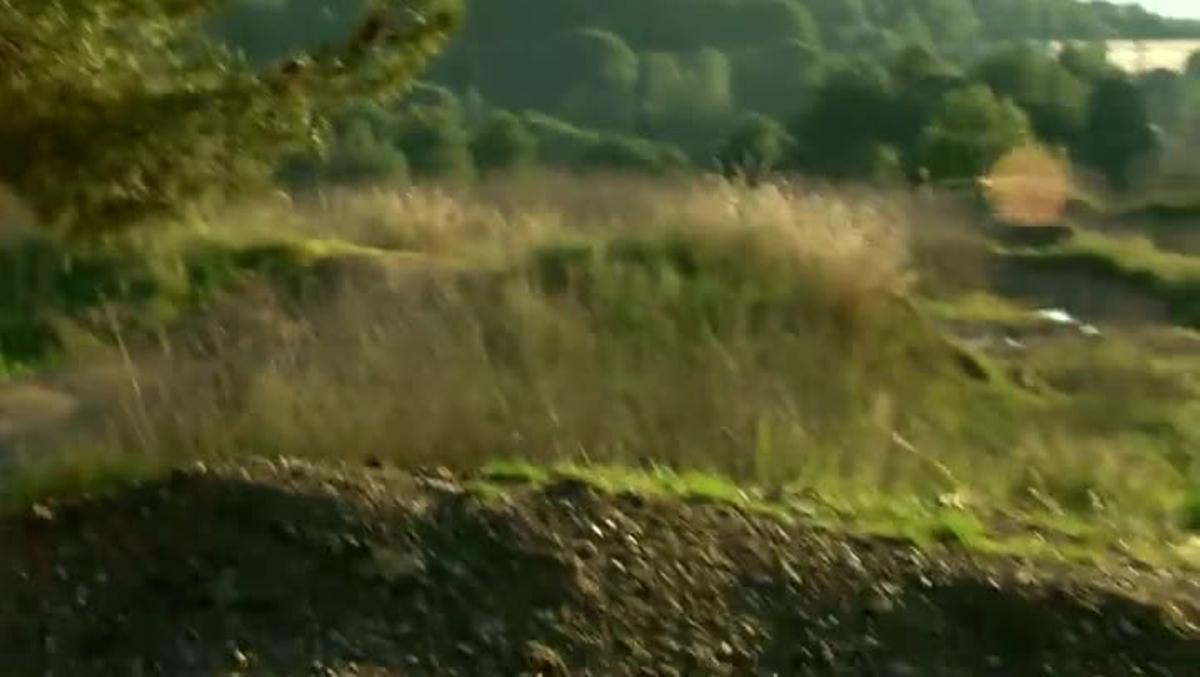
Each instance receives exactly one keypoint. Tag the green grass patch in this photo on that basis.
(714, 337)
(513, 471)
(980, 307)
(924, 522)
(44, 285)
(1169, 278)
(84, 475)
(921, 521)
(659, 482)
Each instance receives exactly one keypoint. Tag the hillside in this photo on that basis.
(940, 89)
(294, 569)
(663, 337)
(677, 426)
(886, 351)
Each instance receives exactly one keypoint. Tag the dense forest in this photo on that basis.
(862, 89)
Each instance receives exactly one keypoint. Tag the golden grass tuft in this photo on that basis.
(1029, 186)
(762, 332)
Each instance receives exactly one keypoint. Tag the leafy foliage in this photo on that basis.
(436, 145)
(777, 79)
(756, 146)
(1118, 130)
(852, 114)
(616, 153)
(126, 110)
(857, 83)
(360, 155)
(972, 130)
(1054, 97)
(503, 143)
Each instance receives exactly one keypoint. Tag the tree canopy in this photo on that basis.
(1054, 97)
(121, 110)
(118, 110)
(1118, 130)
(971, 131)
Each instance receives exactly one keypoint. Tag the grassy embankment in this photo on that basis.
(672, 337)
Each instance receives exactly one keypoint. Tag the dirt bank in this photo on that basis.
(289, 569)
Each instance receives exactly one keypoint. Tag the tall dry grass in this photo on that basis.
(774, 331)
(763, 332)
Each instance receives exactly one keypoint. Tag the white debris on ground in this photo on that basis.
(1064, 318)
(1057, 318)
(1055, 315)
(1013, 344)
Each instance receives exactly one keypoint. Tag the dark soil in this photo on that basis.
(289, 569)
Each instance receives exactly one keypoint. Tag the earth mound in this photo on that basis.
(287, 568)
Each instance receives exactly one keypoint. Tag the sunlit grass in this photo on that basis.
(85, 474)
(980, 306)
(1135, 263)
(733, 344)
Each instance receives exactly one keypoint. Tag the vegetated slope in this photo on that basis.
(287, 568)
(774, 336)
(1108, 278)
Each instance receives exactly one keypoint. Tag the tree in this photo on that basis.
(1118, 131)
(269, 30)
(836, 16)
(1083, 22)
(503, 143)
(918, 64)
(755, 146)
(920, 79)
(777, 79)
(1192, 68)
(116, 110)
(559, 142)
(1054, 97)
(361, 148)
(686, 98)
(971, 131)
(436, 145)
(1013, 19)
(953, 22)
(1088, 62)
(591, 75)
(851, 115)
(631, 154)
(593, 56)
(1163, 91)
(1182, 124)
(914, 30)
(765, 21)
(886, 165)
(870, 41)
(359, 154)
(425, 97)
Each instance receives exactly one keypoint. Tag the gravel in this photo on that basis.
(287, 568)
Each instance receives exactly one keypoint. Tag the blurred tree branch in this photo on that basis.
(113, 111)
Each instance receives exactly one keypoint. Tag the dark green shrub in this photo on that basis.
(619, 153)
(436, 146)
(503, 143)
(129, 113)
(777, 79)
(756, 146)
(559, 143)
(971, 131)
